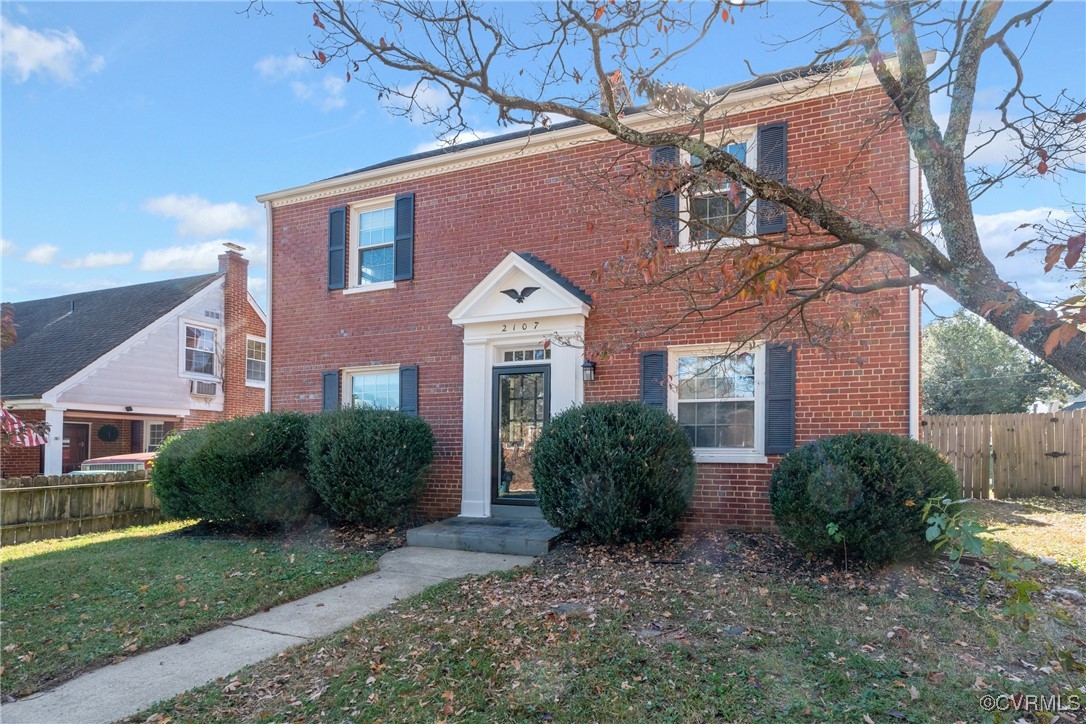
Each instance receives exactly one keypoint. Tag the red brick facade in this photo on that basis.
(467, 220)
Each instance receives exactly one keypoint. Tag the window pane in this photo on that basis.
(687, 413)
(255, 370)
(201, 363)
(716, 400)
(707, 412)
(376, 227)
(197, 338)
(375, 265)
(376, 390)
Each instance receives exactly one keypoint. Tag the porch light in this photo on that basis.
(588, 370)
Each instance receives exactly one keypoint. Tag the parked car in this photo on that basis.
(117, 464)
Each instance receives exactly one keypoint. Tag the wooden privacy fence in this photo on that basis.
(59, 506)
(1013, 456)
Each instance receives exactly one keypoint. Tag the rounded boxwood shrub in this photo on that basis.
(247, 471)
(613, 472)
(870, 486)
(369, 465)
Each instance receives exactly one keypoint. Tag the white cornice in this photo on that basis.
(787, 92)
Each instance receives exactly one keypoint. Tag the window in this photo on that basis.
(717, 399)
(256, 361)
(199, 351)
(155, 434)
(714, 205)
(377, 387)
(526, 355)
(373, 243)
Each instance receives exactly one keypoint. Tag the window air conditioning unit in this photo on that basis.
(203, 389)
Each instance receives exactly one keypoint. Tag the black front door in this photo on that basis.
(522, 405)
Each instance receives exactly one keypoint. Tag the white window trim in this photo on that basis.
(723, 455)
(256, 383)
(345, 375)
(218, 331)
(748, 137)
(355, 210)
(147, 433)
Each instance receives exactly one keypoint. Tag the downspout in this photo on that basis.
(268, 286)
(915, 208)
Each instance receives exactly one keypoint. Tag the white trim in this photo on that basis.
(264, 340)
(75, 408)
(256, 307)
(182, 372)
(723, 455)
(745, 101)
(346, 373)
(53, 462)
(269, 231)
(378, 286)
(50, 396)
(463, 313)
(916, 210)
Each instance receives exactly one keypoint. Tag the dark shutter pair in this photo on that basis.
(403, 250)
(780, 392)
(409, 390)
(772, 163)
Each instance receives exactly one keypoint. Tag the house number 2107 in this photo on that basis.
(519, 326)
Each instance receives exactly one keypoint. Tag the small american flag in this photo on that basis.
(20, 433)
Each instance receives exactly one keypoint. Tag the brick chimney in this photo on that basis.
(235, 310)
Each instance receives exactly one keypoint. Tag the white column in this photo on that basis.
(475, 496)
(54, 447)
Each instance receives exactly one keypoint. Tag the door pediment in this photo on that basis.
(521, 286)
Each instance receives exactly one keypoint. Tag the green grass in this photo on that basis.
(75, 603)
(715, 627)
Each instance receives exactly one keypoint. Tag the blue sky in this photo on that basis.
(136, 135)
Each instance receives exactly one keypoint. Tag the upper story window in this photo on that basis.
(715, 206)
(374, 245)
(256, 361)
(377, 387)
(718, 400)
(200, 350)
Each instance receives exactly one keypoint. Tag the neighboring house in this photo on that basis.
(1078, 402)
(406, 285)
(113, 371)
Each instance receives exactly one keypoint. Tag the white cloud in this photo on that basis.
(196, 216)
(328, 92)
(100, 259)
(202, 257)
(56, 53)
(6, 247)
(41, 254)
(276, 67)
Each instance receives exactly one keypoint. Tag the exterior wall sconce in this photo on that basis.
(588, 370)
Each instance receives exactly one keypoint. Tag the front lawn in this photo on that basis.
(76, 603)
(734, 627)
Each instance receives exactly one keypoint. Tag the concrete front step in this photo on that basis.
(511, 536)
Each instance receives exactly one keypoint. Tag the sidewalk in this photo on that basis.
(120, 690)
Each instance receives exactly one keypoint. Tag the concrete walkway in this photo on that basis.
(120, 690)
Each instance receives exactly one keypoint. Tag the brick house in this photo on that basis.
(113, 371)
(433, 283)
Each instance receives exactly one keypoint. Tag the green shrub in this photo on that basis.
(614, 472)
(868, 488)
(246, 471)
(369, 465)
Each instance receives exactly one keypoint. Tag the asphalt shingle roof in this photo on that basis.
(59, 336)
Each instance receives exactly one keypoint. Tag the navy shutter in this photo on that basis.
(404, 254)
(780, 398)
(337, 247)
(665, 210)
(330, 390)
(772, 163)
(653, 379)
(409, 390)
(135, 443)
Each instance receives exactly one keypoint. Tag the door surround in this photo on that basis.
(495, 322)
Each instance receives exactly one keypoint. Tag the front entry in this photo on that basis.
(522, 397)
(76, 444)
